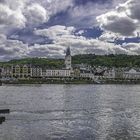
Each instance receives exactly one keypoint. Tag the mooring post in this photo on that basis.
(2, 119)
(3, 111)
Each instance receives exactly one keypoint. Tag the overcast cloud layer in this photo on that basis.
(44, 28)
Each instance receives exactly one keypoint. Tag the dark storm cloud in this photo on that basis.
(124, 26)
(134, 7)
(124, 20)
(27, 35)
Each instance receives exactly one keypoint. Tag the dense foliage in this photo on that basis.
(42, 62)
(91, 59)
(108, 60)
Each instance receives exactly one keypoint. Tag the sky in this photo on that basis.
(45, 28)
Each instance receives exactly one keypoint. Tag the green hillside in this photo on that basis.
(91, 59)
(42, 62)
(108, 60)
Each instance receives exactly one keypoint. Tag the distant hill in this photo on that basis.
(120, 60)
(91, 59)
(43, 62)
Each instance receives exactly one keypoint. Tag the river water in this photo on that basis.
(71, 112)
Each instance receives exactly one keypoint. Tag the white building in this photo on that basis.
(21, 71)
(6, 72)
(131, 74)
(36, 71)
(44, 72)
(109, 74)
(58, 73)
(67, 72)
(86, 74)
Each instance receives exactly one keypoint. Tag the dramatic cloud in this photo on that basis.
(84, 12)
(55, 31)
(133, 10)
(133, 47)
(19, 14)
(36, 14)
(11, 49)
(123, 21)
(48, 50)
(109, 36)
(118, 24)
(9, 17)
(64, 37)
(45, 28)
(56, 6)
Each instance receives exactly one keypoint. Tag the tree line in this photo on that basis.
(111, 60)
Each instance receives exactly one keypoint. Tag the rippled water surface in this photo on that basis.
(71, 112)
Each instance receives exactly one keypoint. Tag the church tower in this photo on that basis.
(68, 59)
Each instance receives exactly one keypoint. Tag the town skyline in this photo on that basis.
(66, 72)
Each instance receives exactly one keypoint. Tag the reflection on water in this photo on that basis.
(71, 112)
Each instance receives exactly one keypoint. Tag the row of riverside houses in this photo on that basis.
(33, 71)
(78, 70)
(111, 73)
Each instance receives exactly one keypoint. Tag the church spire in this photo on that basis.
(68, 58)
(68, 51)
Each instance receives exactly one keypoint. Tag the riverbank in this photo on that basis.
(121, 81)
(72, 81)
(49, 81)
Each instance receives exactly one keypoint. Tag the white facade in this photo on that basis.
(109, 74)
(58, 73)
(131, 74)
(44, 73)
(36, 72)
(6, 72)
(21, 71)
(68, 62)
(87, 75)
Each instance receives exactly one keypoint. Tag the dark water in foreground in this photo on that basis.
(71, 112)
